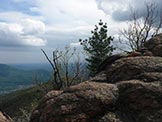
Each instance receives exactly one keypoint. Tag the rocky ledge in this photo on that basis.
(133, 93)
(127, 89)
(126, 101)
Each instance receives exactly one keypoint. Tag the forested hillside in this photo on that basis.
(13, 78)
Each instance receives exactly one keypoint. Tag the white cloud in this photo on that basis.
(16, 17)
(109, 6)
(33, 27)
(33, 41)
(12, 34)
(71, 13)
(121, 10)
(75, 44)
(60, 22)
(66, 22)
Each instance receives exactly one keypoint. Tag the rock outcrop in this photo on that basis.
(85, 102)
(139, 101)
(154, 45)
(131, 92)
(145, 68)
(5, 118)
(126, 101)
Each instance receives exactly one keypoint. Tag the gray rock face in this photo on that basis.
(145, 68)
(155, 45)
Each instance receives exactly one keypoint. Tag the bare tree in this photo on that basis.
(67, 67)
(141, 28)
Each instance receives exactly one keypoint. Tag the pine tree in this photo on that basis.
(97, 47)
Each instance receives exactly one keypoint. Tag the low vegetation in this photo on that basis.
(25, 99)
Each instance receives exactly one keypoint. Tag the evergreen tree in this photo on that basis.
(97, 47)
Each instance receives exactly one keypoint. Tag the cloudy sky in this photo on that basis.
(26, 26)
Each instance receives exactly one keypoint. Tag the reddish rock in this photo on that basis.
(145, 68)
(133, 93)
(126, 101)
(139, 101)
(79, 103)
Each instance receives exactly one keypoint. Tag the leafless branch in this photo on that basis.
(63, 74)
(141, 28)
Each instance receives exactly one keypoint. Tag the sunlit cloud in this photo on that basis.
(22, 34)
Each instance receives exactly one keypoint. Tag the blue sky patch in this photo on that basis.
(24, 7)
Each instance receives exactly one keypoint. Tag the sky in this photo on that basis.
(27, 26)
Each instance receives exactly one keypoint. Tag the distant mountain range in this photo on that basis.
(12, 78)
(32, 66)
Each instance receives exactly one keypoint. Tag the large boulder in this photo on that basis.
(126, 101)
(145, 68)
(139, 101)
(85, 102)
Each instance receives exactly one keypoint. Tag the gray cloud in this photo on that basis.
(121, 15)
(14, 35)
(60, 37)
(121, 10)
(8, 38)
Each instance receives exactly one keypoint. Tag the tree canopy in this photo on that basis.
(97, 47)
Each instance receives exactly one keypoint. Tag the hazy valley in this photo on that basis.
(13, 77)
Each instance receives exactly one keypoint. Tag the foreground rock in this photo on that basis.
(127, 101)
(85, 102)
(133, 93)
(139, 101)
(5, 118)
